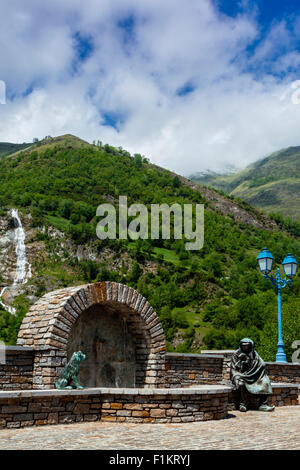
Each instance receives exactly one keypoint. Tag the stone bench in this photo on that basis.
(21, 408)
(136, 405)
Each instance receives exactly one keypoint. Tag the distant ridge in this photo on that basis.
(271, 184)
(7, 148)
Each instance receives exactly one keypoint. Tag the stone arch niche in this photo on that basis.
(111, 323)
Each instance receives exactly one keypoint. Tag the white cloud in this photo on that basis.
(233, 116)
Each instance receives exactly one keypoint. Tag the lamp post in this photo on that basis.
(290, 266)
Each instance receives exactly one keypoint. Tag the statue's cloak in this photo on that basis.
(251, 369)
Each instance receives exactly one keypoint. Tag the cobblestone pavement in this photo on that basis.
(252, 430)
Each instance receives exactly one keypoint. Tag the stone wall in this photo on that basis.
(48, 364)
(185, 370)
(16, 369)
(226, 354)
(42, 407)
(283, 372)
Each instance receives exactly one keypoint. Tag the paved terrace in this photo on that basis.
(252, 430)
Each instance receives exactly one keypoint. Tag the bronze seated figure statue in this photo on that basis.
(249, 378)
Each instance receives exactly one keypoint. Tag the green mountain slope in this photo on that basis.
(208, 298)
(8, 148)
(220, 181)
(271, 184)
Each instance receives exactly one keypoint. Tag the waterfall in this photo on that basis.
(23, 267)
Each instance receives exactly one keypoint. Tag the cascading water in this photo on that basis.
(23, 267)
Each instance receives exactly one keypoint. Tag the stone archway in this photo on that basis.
(114, 324)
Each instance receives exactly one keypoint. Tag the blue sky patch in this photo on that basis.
(112, 119)
(186, 89)
(83, 46)
(127, 27)
(28, 90)
(267, 10)
(268, 13)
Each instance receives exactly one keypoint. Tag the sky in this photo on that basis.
(193, 85)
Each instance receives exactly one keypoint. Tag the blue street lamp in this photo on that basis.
(290, 266)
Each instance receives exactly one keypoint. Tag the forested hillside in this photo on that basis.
(205, 299)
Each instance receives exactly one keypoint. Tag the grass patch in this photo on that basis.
(168, 255)
(59, 222)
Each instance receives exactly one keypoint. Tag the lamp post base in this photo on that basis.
(281, 357)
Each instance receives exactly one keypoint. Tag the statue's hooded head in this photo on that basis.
(246, 345)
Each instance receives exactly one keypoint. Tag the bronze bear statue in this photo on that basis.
(68, 378)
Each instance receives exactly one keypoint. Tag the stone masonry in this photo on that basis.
(185, 370)
(146, 405)
(116, 405)
(16, 372)
(283, 372)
